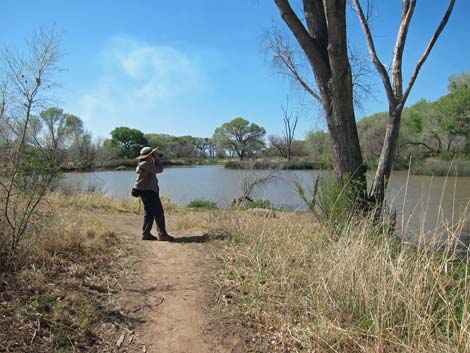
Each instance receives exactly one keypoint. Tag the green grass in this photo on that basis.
(203, 204)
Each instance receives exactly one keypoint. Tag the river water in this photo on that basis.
(420, 201)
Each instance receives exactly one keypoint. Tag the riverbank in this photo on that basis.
(428, 167)
(437, 167)
(246, 280)
(276, 165)
(130, 164)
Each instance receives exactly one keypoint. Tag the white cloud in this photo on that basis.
(138, 81)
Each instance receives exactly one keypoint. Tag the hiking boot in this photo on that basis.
(149, 237)
(165, 237)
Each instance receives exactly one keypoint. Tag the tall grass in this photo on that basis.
(308, 290)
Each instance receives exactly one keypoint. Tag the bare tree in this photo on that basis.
(289, 62)
(250, 180)
(26, 174)
(284, 144)
(324, 43)
(290, 123)
(3, 98)
(278, 143)
(322, 37)
(394, 85)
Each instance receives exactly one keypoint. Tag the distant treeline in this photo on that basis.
(429, 130)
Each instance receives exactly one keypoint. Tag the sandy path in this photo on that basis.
(168, 298)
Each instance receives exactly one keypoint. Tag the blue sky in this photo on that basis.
(186, 67)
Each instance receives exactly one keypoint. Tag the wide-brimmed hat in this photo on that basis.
(147, 151)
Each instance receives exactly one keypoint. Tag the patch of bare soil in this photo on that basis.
(168, 297)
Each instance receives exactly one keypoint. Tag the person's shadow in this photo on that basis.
(192, 239)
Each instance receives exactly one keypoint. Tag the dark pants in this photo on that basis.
(153, 211)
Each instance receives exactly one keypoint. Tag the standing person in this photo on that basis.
(147, 185)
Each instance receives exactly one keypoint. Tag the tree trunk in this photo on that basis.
(341, 121)
(387, 156)
(324, 43)
(394, 88)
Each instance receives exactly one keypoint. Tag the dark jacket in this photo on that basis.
(147, 175)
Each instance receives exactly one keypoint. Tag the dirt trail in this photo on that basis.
(169, 296)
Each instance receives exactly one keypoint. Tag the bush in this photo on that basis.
(203, 204)
(266, 204)
(332, 205)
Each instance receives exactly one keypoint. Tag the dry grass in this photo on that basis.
(101, 201)
(307, 291)
(57, 292)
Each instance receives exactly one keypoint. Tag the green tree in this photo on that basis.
(456, 110)
(165, 142)
(55, 134)
(371, 131)
(318, 147)
(130, 141)
(422, 128)
(459, 82)
(241, 137)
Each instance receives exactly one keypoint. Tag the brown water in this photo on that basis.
(430, 203)
(421, 202)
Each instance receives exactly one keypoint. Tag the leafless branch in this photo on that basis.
(428, 49)
(406, 16)
(284, 60)
(250, 179)
(290, 124)
(29, 76)
(362, 74)
(373, 53)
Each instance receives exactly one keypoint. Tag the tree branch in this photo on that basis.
(316, 21)
(370, 43)
(426, 53)
(407, 14)
(285, 56)
(310, 45)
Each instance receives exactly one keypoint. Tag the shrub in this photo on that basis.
(266, 204)
(203, 204)
(332, 205)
